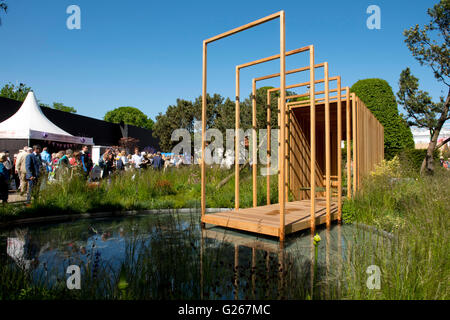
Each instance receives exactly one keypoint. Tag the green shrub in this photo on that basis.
(378, 96)
(414, 157)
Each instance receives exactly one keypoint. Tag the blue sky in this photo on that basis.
(147, 54)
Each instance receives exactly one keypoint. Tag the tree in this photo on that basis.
(430, 46)
(129, 115)
(378, 96)
(3, 7)
(179, 116)
(17, 93)
(60, 106)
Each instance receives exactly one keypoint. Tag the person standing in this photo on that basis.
(4, 179)
(123, 158)
(46, 159)
(108, 161)
(21, 169)
(158, 162)
(33, 165)
(86, 160)
(136, 158)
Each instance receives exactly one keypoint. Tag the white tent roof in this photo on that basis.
(29, 122)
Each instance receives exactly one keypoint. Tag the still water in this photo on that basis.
(170, 256)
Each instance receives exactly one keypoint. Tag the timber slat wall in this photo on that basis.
(369, 143)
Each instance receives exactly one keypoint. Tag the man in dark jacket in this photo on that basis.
(86, 160)
(33, 165)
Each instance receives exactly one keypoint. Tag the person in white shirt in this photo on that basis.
(136, 159)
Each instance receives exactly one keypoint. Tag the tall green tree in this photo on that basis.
(430, 46)
(129, 115)
(15, 92)
(378, 96)
(60, 106)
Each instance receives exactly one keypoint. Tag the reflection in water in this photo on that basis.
(170, 256)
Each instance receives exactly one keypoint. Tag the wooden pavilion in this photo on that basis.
(311, 132)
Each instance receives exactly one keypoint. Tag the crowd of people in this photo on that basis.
(32, 165)
(115, 159)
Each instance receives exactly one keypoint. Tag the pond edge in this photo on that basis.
(76, 216)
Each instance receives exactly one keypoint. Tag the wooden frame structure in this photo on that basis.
(297, 126)
(282, 57)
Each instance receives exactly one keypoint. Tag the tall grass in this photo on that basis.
(416, 210)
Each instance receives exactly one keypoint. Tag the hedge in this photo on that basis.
(378, 96)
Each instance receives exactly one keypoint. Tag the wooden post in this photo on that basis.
(339, 149)
(354, 119)
(205, 42)
(281, 197)
(280, 158)
(236, 156)
(312, 139)
(254, 145)
(269, 145)
(203, 167)
(327, 148)
(349, 152)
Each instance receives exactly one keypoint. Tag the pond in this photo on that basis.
(168, 256)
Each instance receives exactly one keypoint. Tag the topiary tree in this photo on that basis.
(378, 96)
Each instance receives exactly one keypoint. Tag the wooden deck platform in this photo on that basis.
(266, 219)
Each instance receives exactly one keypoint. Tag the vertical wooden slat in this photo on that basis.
(354, 120)
(254, 145)
(203, 166)
(281, 197)
(312, 139)
(287, 153)
(349, 159)
(339, 150)
(236, 156)
(269, 145)
(327, 148)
